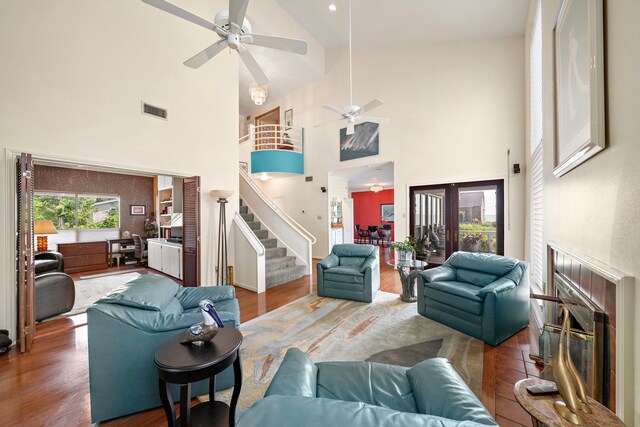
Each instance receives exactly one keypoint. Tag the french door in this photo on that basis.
(463, 216)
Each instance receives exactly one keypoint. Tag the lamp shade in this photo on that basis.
(44, 226)
(221, 194)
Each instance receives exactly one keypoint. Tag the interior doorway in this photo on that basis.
(362, 205)
(464, 216)
(267, 130)
(94, 214)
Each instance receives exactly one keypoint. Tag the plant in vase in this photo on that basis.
(471, 241)
(151, 227)
(422, 247)
(403, 251)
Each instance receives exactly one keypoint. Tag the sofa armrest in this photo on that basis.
(330, 261)
(296, 376)
(438, 274)
(439, 391)
(53, 255)
(499, 286)
(369, 263)
(191, 297)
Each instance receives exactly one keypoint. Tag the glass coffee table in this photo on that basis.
(408, 271)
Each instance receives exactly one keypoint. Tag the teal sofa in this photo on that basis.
(350, 272)
(129, 325)
(365, 394)
(482, 295)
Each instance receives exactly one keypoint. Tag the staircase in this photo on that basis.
(279, 268)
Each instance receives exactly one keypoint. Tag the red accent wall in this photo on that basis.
(366, 208)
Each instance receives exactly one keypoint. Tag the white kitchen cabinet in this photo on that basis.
(336, 237)
(165, 257)
(154, 256)
(172, 260)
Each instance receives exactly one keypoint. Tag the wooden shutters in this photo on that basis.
(191, 231)
(24, 252)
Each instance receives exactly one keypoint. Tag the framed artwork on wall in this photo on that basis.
(579, 83)
(387, 212)
(138, 209)
(363, 143)
(288, 118)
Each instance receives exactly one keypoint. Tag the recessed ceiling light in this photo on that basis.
(332, 7)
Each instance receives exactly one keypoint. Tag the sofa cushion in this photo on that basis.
(487, 263)
(439, 390)
(351, 250)
(456, 294)
(373, 383)
(43, 265)
(352, 261)
(147, 292)
(344, 274)
(473, 277)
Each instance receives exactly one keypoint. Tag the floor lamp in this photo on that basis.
(221, 268)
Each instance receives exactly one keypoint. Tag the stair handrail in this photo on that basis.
(249, 234)
(266, 199)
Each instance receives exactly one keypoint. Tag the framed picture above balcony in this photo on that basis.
(288, 118)
(579, 77)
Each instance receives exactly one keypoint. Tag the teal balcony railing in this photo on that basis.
(276, 149)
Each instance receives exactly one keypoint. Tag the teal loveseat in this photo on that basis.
(350, 272)
(365, 394)
(129, 325)
(482, 295)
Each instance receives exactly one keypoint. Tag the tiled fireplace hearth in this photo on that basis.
(601, 301)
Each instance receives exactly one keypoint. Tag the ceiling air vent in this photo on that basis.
(154, 111)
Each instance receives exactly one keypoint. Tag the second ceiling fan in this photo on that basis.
(234, 31)
(353, 113)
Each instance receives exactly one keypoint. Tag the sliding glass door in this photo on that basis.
(464, 216)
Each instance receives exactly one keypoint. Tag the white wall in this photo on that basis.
(594, 209)
(455, 109)
(72, 78)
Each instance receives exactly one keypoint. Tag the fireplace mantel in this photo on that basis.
(624, 323)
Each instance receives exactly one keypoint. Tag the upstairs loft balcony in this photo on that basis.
(276, 149)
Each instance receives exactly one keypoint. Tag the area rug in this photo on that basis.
(327, 329)
(91, 290)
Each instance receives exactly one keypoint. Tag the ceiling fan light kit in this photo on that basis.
(233, 31)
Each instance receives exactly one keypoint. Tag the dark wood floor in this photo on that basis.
(50, 385)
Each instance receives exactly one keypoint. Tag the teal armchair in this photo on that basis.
(128, 326)
(482, 295)
(365, 394)
(350, 272)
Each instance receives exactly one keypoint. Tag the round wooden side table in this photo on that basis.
(543, 414)
(185, 364)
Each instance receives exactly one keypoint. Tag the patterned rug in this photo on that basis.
(386, 331)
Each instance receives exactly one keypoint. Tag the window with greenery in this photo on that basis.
(74, 211)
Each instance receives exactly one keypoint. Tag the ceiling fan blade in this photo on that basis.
(327, 122)
(251, 63)
(200, 58)
(370, 106)
(335, 110)
(237, 11)
(280, 43)
(181, 13)
(381, 120)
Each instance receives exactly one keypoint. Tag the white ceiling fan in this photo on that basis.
(234, 31)
(353, 113)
